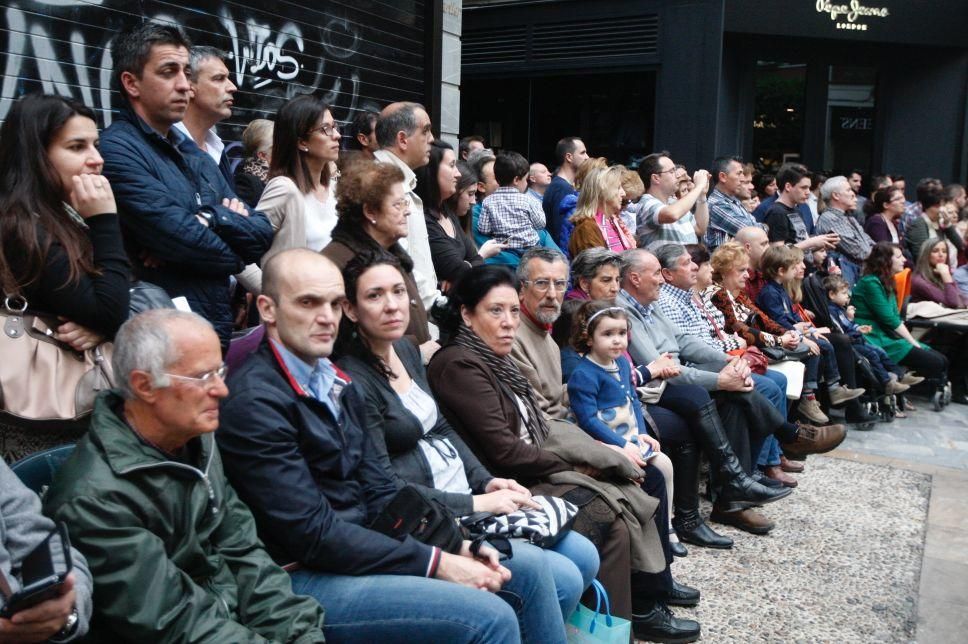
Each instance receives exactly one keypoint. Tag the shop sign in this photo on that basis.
(850, 15)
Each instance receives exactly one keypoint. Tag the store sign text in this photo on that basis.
(850, 12)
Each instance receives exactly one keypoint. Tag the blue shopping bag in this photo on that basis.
(594, 627)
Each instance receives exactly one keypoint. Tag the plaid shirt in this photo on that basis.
(513, 215)
(680, 308)
(625, 299)
(855, 244)
(726, 216)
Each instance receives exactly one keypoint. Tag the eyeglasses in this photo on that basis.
(328, 129)
(897, 199)
(400, 205)
(672, 169)
(542, 285)
(205, 380)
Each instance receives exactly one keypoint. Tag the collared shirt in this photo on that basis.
(649, 230)
(626, 299)
(213, 142)
(912, 212)
(318, 380)
(534, 194)
(417, 241)
(726, 216)
(510, 214)
(854, 242)
(680, 308)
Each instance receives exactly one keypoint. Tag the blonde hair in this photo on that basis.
(596, 163)
(598, 185)
(779, 257)
(632, 184)
(727, 257)
(257, 137)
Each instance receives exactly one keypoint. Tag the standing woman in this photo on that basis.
(597, 217)
(61, 249)
(453, 252)
(253, 171)
(299, 198)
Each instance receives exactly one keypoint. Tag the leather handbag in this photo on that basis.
(43, 381)
(778, 354)
(756, 359)
(412, 513)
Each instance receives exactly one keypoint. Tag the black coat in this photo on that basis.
(396, 432)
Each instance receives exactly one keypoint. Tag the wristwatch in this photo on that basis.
(69, 627)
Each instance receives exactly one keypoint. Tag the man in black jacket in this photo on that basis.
(295, 450)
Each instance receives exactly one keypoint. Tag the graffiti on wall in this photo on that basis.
(63, 47)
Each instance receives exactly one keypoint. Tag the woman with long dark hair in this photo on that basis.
(299, 196)
(453, 251)
(61, 250)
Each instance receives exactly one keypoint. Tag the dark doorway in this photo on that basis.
(778, 113)
(614, 114)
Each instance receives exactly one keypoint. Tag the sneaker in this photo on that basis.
(910, 379)
(895, 387)
(841, 394)
(815, 440)
(809, 408)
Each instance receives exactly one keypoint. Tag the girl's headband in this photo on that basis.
(599, 312)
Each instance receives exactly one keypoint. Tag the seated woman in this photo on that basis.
(595, 275)
(502, 423)
(453, 252)
(875, 304)
(597, 218)
(373, 208)
(932, 280)
(418, 447)
(61, 250)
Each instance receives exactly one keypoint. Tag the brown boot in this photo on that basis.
(815, 440)
(790, 466)
(746, 520)
(776, 473)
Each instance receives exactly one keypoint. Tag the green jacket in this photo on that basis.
(173, 551)
(877, 307)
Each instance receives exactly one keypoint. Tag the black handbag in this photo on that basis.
(427, 520)
(145, 296)
(778, 354)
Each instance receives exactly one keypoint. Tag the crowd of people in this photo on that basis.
(358, 314)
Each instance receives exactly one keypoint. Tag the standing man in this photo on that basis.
(173, 551)
(658, 217)
(470, 144)
(726, 212)
(784, 218)
(405, 134)
(213, 95)
(183, 226)
(539, 178)
(570, 153)
(853, 245)
(856, 181)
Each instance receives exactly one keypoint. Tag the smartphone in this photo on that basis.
(43, 573)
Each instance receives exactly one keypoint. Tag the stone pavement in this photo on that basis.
(936, 444)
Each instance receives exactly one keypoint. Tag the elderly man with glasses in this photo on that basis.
(173, 551)
(853, 245)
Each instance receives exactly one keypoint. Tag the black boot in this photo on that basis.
(736, 490)
(688, 522)
(656, 623)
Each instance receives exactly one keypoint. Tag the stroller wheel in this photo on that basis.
(937, 400)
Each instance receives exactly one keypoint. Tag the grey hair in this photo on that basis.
(832, 185)
(550, 255)
(478, 158)
(144, 343)
(402, 119)
(199, 53)
(587, 263)
(669, 253)
(632, 261)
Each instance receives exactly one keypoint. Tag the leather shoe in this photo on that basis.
(910, 378)
(660, 625)
(746, 520)
(763, 479)
(815, 440)
(787, 465)
(776, 473)
(698, 533)
(682, 595)
(678, 550)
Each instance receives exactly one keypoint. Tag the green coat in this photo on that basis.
(877, 307)
(173, 552)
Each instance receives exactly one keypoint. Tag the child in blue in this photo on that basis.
(602, 395)
(780, 266)
(890, 375)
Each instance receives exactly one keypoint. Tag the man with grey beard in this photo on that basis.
(543, 273)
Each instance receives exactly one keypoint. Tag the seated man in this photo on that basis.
(173, 551)
(295, 448)
(63, 618)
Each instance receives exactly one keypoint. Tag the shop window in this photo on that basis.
(850, 118)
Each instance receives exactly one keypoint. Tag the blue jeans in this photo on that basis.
(399, 608)
(574, 553)
(770, 454)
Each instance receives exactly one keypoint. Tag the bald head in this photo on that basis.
(755, 240)
(404, 129)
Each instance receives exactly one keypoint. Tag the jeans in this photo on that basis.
(850, 271)
(770, 453)
(881, 365)
(773, 386)
(400, 608)
(574, 553)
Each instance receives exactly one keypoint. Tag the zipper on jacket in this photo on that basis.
(202, 475)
